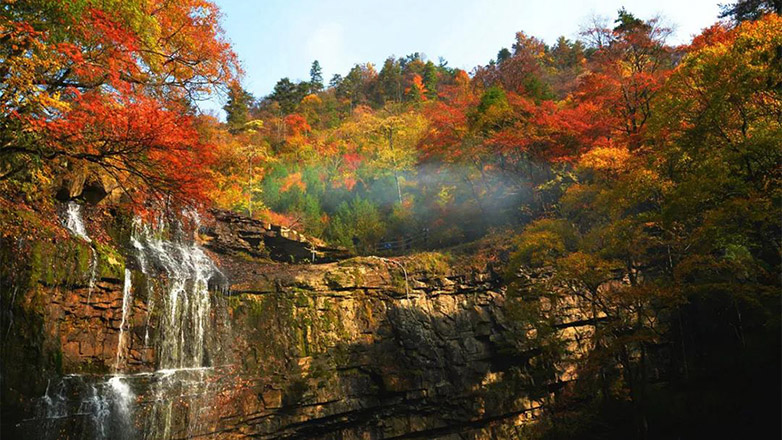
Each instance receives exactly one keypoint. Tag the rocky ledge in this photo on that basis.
(234, 234)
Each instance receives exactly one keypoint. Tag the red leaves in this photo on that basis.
(352, 161)
(137, 140)
(715, 34)
(109, 89)
(625, 74)
(108, 53)
(448, 126)
(297, 124)
(544, 132)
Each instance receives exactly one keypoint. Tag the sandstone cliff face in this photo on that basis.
(361, 348)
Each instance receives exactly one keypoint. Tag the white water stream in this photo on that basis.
(126, 300)
(184, 316)
(75, 224)
(178, 274)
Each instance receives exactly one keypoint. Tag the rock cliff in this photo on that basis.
(417, 347)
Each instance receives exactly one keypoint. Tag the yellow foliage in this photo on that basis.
(608, 160)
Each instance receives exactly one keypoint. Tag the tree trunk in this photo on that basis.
(396, 170)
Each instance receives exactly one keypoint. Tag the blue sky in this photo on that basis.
(281, 38)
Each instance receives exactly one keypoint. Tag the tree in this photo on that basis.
(520, 72)
(390, 81)
(430, 80)
(671, 246)
(316, 77)
(567, 61)
(359, 85)
(358, 225)
(749, 10)
(110, 88)
(403, 133)
(335, 81)
(630, 63)
(288, 95)
(416, 92)
(503, 55)
(237, 108)
(238, 169)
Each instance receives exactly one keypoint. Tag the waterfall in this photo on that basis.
(99, 409)
(85, 409)
(186, 306)
(184, 316)
(122, 396)
(126, 299)
(142, 261)
(75, 224)
(167, 402)
(51, 408)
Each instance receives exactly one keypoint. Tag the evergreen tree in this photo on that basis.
(391, 80)
(430, 80)
(627, 23)
(237, 108)
(336, 80)
(316, 77)
(748, 10)
(503, 55)
(287, 94)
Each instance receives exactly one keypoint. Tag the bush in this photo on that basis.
(360, 219)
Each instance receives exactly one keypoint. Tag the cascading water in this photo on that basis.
(126, 298)
(75, 224)
(106, 403)
(142, 261)
(164, 403)
(186, 305)
(123, 397)
(85, 407)
(184, 317)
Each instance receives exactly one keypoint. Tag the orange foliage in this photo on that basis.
(276, 218)
(417, 90)
(111, 89)
(292, 180)
(297, 124)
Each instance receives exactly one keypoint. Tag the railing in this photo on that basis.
(406, 243)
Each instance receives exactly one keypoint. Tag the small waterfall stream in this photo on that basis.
(126, 299)
(75, 224)
(163, 403)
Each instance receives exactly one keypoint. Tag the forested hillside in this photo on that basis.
(641, 176)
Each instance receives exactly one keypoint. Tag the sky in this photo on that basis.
(281, 38)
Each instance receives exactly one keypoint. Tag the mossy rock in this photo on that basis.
(111, 264)
(430, 263)
(66, 262)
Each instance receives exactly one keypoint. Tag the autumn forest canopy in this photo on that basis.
(614, 157)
